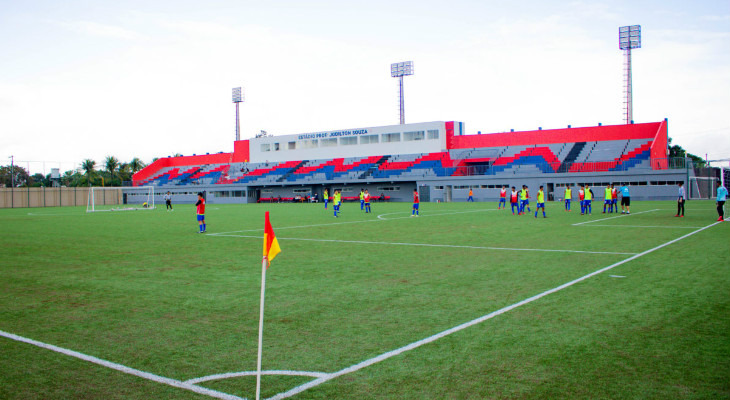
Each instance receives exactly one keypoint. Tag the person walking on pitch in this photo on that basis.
(614, 198)
(362, 199)
(607, 199)
(540, 203)
(326, 198)
(502, 198)
(721, 199)
(200, 210)
(680, 200)
(416, 202)
(589, 199)
(471, 196)
(625, 199)
(336, 199)
(568, 197)
(366, 200)
(168, 201)
(582, 198)
(514, 198)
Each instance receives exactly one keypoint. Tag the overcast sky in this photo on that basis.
(87, 79)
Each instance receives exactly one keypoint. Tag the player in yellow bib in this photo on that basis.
(588, 199)
(607, 199)
(336, 199)
(568, 197)
(540, 202)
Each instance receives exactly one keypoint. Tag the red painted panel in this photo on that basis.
(548, 136)
(241, 151)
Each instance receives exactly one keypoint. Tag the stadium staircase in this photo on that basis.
(571, 157)
(369, 171)
(291, 171)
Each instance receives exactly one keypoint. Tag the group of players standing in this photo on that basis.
(520, 200)
(364, 201)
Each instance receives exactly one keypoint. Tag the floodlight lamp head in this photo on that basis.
(237, 95)
(629, 37)
(401, 69)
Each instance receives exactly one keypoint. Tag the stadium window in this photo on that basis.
(292, 145)
(301, 191)
(461, 187)
(415, 135)
(329, 142)
(488, 186)
(388, 188)
(433, 134)
(265, 147)
(309, 143)
(438, 187)
(368, 139)
(267, 191)
(276, 146)
(391, 137)
(348, 141)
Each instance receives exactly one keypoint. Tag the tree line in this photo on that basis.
(111, 172)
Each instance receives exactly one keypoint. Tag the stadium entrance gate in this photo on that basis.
(424, 193)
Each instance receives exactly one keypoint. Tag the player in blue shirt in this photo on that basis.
(721, 199)
(625, 199)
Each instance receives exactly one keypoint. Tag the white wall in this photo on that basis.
(257, 155)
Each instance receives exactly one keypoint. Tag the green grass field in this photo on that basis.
(143, 289)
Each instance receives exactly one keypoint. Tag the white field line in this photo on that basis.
(618, 216)
(346, 222)
(646, 226)
(430, 245)
(125, 369)
(229, 375)
(473, 322)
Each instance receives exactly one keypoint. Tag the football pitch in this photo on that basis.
(463, 302)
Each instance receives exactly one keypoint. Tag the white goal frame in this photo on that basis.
(701, 188)
(120, 199)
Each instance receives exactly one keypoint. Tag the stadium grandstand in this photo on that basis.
(438, 158)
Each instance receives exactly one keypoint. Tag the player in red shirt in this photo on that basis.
(502, 198)
(416, 201)
(514, 200)
(366, 199)
(200, 208)
(582, 198)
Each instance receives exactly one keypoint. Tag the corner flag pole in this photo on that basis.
(264, 264)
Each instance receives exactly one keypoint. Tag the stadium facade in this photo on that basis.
(438, 158)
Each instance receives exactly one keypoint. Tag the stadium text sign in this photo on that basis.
(333, 134)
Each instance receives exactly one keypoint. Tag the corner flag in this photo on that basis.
(271, 249)
(271, 245)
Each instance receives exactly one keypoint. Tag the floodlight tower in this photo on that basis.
(399, 70)
(237, 98)
(629, 37)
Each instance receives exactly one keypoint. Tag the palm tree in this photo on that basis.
(136, 165)
(88, 166)
(111, 164)
(125, 172)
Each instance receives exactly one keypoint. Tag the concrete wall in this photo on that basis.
(43, 197)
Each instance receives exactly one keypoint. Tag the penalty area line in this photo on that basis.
(123, 368)
(433, 338)
(618, 216)
(455, 246)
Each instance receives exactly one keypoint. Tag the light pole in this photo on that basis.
(12, 182)
(399, 70)
(629, 37)
(237, 98)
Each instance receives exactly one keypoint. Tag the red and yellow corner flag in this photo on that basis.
(271, 245)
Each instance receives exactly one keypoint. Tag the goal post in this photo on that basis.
(120, 199)
(701, 188)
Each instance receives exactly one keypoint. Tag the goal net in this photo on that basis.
(701, 187)
(120, 199)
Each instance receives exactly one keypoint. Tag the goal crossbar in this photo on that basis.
(120, 199)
